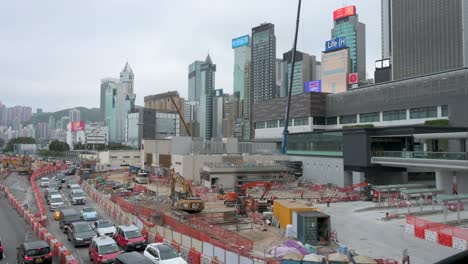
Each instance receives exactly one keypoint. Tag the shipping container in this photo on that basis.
(338, 258)
(313, 228)
(283, 210)
(292, 258)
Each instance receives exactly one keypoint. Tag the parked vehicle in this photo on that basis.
(80, 233)
(55, 201)
(44, 182)
(141, 178)
(104, 227)
(74, 186)
(48, 193)
(77, 196)
(163, 253)
(132, 258)
(89, 214)
(103, 250)
(60, 178)
(68, 216)
(34, 252)
(130, 238)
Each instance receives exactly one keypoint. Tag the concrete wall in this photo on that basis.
(115, 158)
(190, 166)
(322, 170)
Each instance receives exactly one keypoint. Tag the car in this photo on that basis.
(163, 253)
(73, 186)
(55, 201)
(104, 227)
(132, 258)
(54, 185)
(71, 171)
(89, 214)
(80, 233)
(68, 216)
(77, 196)
(1, 249)
(44, 182)
(48, 193)
(58, 210)
(34, 252)
(103, 250)
(60, 178)
(130, 238)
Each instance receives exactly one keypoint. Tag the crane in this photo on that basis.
(185, 200)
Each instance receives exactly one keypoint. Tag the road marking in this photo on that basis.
(65, 197)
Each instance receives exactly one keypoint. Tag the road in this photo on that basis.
(13, 230)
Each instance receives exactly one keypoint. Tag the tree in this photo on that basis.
(58, 146)
(2, 142)
(20, 140)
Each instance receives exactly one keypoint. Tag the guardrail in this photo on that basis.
(421, 155)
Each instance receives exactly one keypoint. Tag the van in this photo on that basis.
(44, 182)
(68, 216)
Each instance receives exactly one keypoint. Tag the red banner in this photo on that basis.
(77, 126)
(344, 12)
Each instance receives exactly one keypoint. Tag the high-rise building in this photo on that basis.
(263, 65)
(162, 102)
(64, 122)
(195, 81)
(51, 124)
(304, 70)
(107, 83)
(191, 118)
(18, 114)
(232, 119)
(335, 70)
(242, 55)
(2, 114)
(74, 115)
(347, 25)
(124, 103)
(247, 104)
(424, 36)
(207, 78)
(281, 86)
(218, 113)
(42, 131)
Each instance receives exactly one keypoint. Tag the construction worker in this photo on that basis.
(302, 195)
(328, 201)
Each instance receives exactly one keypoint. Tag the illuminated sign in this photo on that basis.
(240, 41)
(353, 78)
(344, 12)
(77, 126)
(336, 43)
(313, 86)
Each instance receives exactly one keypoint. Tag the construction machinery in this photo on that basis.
(184, 200)
(23, 165)
(241, 200)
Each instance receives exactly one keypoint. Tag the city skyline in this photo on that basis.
(87, 51)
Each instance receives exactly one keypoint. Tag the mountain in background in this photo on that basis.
(87, 114)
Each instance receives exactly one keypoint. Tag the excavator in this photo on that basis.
(241, 200)
(23, 165)
(185, 200)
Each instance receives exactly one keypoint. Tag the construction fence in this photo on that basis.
(198, 241)
(436, 232)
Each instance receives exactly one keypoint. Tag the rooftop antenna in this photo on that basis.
(286, 119)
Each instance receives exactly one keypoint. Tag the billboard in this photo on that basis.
(77, 126)
(313, 86)
(240, 41)
(335, 44)
(344, 12)
(353, 78)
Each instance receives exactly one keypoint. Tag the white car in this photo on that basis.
(44, 182)
(163, 253)
(55, 201)
(104, 228)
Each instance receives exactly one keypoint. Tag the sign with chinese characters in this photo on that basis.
(344, 12)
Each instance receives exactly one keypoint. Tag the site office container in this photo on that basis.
(313, 228)
(283, 210)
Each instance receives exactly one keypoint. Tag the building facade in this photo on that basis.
(335, 71)
(263, 75)
(208, 71)
(218, 113)
(242, 56)
(195, 81)
(74, 115)
(163, 103)
(106, 84)
(423, 37)
(304, 71)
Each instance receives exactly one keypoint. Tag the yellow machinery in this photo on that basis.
(185, 200)
(23, 165)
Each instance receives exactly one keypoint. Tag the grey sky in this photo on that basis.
(54, 53)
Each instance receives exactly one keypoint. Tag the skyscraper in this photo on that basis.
(247, 131)
(124, 103)
(105, 84)
(242, 55)
(42, 131)
(263, 73)
(75, 115)
(51, 124)
(218, 113)
(207, 79)
(195, 81)
(304, 71)
(424, 36)
(281, 85)
(346, 24)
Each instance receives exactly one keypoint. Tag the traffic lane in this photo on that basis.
(14, 230)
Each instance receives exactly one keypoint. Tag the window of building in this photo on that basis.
(259, 125)
(445, 111)
(319, 120)
(369, 117)
(301, 121)
(113, 157)
(319, 143)
(281, 122)
(272, 124)
(394, 115)
(136, 157)
(332, 120)
(423, 112)
(126, 157)
(348, 119)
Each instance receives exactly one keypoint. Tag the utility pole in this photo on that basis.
(286, 119)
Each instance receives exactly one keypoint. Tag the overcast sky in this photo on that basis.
(53, 54)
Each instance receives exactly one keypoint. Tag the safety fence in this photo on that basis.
(440, 233)
(57, 248)
(196, 244)
(6, 173)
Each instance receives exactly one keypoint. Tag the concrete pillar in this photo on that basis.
(462, 182)
(444, 181)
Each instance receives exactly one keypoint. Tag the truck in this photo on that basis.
(23, 165)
